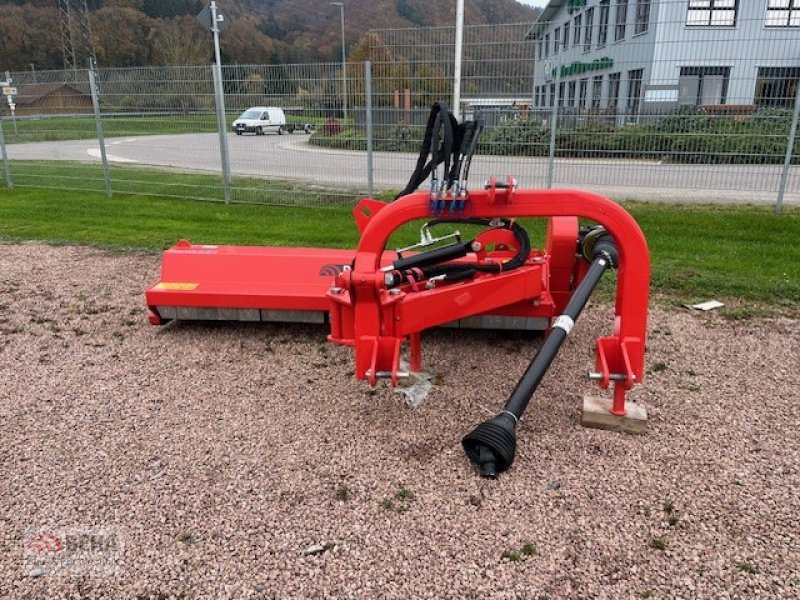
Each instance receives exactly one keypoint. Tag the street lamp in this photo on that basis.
(344, 61)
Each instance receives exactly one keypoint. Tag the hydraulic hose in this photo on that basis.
(432, 263)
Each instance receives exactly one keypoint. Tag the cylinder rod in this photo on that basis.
(525, 388)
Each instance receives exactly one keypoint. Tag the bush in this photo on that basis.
(687, 135)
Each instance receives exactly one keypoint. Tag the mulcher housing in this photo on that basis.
(349, 290)
(379, 301)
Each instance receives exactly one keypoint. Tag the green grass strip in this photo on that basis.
(742, 255)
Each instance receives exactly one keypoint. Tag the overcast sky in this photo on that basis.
(539, 3)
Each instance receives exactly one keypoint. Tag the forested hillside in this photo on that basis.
(164, 32)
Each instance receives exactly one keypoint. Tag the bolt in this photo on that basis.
(395, 292)
(335, 290)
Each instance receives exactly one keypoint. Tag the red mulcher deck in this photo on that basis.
(376, 300)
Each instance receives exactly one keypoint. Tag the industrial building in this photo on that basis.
(637, 57)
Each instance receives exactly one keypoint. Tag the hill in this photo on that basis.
(153, 32)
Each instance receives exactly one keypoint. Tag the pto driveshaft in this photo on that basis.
(492, 444)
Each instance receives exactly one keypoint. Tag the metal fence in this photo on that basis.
(638, 99)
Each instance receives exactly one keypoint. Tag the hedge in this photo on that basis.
(683, 136)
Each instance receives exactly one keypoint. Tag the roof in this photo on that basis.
(30, 93)
(545, 17)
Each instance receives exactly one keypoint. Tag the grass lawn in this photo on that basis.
(165, 183)
(746, 256)
(83, 126)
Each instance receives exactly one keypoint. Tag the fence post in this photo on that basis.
(219, 101)
(787, 161)
(6, 164)
(368, 92)
(551, 164)
(101, 140)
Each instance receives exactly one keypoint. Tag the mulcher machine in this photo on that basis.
(377, 300)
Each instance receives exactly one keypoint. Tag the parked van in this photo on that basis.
(260, 120)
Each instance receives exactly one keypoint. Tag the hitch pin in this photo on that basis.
(595, 376)
(387, 374)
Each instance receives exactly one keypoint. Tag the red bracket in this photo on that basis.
(375, 321)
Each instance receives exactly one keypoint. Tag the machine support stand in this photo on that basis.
(618, 408)
(599, 413)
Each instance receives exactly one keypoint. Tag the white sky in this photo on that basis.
(539, 3)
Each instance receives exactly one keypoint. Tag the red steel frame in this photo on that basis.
(376, 321)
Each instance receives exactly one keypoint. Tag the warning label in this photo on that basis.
(176, 285)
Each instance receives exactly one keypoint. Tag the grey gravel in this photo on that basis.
(239, 438)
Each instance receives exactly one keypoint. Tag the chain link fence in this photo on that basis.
(637, 99)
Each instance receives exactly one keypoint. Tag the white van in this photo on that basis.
(260, 120)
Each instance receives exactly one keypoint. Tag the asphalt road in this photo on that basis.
(291, 156)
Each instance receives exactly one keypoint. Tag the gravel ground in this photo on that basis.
(206, 460)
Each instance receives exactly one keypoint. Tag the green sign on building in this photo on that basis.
(576, 68)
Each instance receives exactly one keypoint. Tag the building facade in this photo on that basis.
(637, 57)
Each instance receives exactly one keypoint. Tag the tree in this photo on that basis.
(121, 37)
(30, 35)
(244, 43)
(171, 8)
(180, 41)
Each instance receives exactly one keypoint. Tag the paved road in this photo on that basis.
(291, 156)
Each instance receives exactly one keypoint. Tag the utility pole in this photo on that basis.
(344, 60)
(457, 65)
(215, 22)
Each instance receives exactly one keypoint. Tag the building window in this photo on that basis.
(556, 40)
(587, 37)
(777, 86)
(547, 45)
(561, 94)
(602, 29)
(576, 31)
(539, 46)
(634, 91)
(582, 88)
(613, 90)
(552, 94)
(566, 35)
(783, 13)
(711, 13)
(597, 91)
(622, 20)
(571, 98)
(703, 85)
(642, 16)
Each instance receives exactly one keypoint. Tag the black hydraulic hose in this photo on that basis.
(432, 257)
(521, 396)
(432, 263)
(516, 261)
